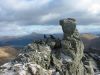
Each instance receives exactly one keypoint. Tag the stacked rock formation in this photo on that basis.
(52, 56)
(73, 47)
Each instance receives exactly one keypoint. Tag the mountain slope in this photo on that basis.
(52, 56)
(91, 43)
(7, 53)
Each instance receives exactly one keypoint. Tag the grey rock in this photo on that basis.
(73, 47)
(52, 56)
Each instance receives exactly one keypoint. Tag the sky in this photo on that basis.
(21, 17)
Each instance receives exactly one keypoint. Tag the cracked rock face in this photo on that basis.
(52, 56)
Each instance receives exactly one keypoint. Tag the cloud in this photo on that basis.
(30, 12)
(14, 14)
(13, 30)
(48, 17)
(16, 30)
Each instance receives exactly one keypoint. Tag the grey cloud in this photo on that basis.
(34, 14)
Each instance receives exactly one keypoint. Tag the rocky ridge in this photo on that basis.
(53, 56)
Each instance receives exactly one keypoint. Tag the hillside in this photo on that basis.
(91, 42)
(88, 38)
(7, 53)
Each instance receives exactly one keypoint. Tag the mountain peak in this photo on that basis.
(52, 56)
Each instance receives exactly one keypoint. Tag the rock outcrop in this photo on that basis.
(73, 47)
(52, 56)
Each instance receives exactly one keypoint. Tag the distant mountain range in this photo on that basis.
(22, 40)
(88, 39)
(19, 41)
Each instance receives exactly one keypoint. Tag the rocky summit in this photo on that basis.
(53, 56)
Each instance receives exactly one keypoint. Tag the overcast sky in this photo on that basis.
(16, 15)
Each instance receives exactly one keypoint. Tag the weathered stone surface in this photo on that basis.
(68, 26)
(72, 46)
(52, 56)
